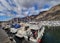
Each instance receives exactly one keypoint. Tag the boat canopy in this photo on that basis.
(16, 26)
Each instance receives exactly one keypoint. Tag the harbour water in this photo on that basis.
(51, 35)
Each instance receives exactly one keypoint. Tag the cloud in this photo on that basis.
(22, 8)
(2, 14)
(40, 3)
(35, 6)
(5, 18)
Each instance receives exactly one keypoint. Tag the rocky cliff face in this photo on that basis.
(51, 14)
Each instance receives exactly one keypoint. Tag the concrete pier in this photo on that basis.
(4, 37)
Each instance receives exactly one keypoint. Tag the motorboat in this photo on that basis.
(14, 28)
(32, 33)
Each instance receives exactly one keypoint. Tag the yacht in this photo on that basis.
(31, 32)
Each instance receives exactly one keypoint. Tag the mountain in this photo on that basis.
(51, 14)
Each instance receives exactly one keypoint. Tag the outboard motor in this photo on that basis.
(26, 27)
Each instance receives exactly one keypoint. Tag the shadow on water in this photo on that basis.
(51, 35)
(18, 40)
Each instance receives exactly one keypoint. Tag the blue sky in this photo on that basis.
(5, 18)
(22, 8)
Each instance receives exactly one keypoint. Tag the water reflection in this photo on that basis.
(52, 35)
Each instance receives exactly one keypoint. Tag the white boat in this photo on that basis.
(32, 33)
(14, 28)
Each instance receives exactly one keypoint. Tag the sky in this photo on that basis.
(21, 8)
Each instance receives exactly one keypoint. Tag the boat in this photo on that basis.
(31, 32)
(14, 28)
